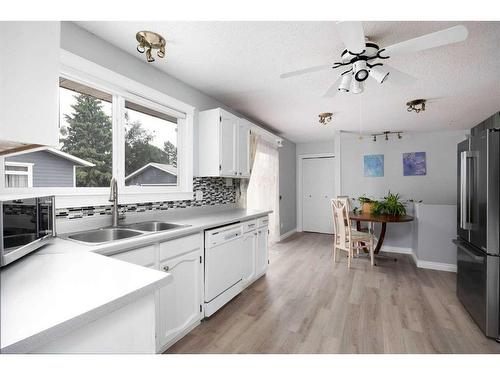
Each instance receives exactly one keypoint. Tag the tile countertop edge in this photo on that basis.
(44, 337)
(127, 244)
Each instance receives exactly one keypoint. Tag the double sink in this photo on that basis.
(103, 235)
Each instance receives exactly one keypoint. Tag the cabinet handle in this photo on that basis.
(166, 268)
(235, 173)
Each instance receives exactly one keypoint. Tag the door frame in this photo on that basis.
(336, 172)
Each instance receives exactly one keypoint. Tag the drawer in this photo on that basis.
(249, 226)
(145, 256)
(183, 245)
(263, 221)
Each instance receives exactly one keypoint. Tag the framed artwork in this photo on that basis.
(374, 165)
(414, 164)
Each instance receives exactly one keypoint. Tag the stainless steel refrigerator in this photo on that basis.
(478, 229)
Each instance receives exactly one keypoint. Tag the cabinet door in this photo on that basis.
(249, 247)
(180, 301)
(262, 251)
(243, 150)
(228, 127)
(29, 82)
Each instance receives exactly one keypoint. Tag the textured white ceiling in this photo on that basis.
(239, 64)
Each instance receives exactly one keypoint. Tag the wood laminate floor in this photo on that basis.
(308, 304)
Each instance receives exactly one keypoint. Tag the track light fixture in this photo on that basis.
(416, 105)
(386, 135)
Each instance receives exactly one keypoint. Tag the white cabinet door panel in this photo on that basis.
(228, 127)
(262, 255)
(180, 301)
(243, 149)
(249, 248)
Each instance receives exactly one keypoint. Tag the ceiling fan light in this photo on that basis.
(356, 87)
(345, 83)
(360, 71)
(379, 74)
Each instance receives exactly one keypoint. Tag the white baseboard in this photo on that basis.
(395, 249)
(436, 266)
(420, 263)
(288, 234)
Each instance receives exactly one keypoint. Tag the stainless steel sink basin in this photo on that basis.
(104, 235)
(154, 226)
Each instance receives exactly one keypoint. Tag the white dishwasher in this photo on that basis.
(223, 266)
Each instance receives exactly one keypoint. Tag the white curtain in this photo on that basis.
(263, 187)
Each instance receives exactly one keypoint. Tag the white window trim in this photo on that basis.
(84, 71)
(29, 170)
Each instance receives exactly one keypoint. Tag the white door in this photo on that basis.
(249, 247)
(181, 299)
(228, 126)
(317, 191)
(243, 150)
(262, 251)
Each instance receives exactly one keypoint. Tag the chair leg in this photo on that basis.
(372, 250)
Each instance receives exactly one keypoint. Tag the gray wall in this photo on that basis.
(288, 187)
(437, 187)
(152, 175)
(49, 170)
(315, 148)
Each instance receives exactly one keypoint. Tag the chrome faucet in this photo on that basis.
(113, 197)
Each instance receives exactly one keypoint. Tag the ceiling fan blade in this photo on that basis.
(398, 77)
(454, 34)
(352, 35)
(333, 90)
(312, 69)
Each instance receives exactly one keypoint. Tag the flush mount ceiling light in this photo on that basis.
(148, 41)
(325, 117)
(416, 105)
(362, 58)
(386, 135)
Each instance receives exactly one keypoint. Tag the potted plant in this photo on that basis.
(390, 205)
(367, 204)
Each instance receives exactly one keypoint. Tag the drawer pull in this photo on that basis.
(166, 268)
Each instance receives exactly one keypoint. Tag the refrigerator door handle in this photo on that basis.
(466, 180)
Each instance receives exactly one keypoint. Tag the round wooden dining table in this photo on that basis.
(383, 219)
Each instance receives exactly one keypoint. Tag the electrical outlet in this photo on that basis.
(199, 195)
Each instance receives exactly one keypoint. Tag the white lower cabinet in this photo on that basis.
(180, 302)
(262, 251)
(249, 251)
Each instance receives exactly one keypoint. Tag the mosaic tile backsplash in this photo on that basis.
(215, 192)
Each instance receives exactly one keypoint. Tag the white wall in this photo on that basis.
(315, 148)
(437, 187)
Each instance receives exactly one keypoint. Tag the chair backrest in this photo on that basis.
(341, 223)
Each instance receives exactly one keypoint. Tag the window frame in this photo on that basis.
(29, 171)
(122, 88)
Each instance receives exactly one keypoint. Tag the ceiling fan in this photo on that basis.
(362, 58)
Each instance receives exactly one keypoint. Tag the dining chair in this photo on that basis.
(346, 238)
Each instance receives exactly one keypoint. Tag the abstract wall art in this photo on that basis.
(374, 165)
(414, 164)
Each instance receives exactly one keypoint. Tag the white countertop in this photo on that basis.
(67, 284)
(198, 220)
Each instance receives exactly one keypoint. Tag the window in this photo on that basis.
(86, 133)
(110, 126)
(150, 147)
(18, 175)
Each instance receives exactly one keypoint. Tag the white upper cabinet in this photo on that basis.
(29, 82)
(224, 141)
(243, 148)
